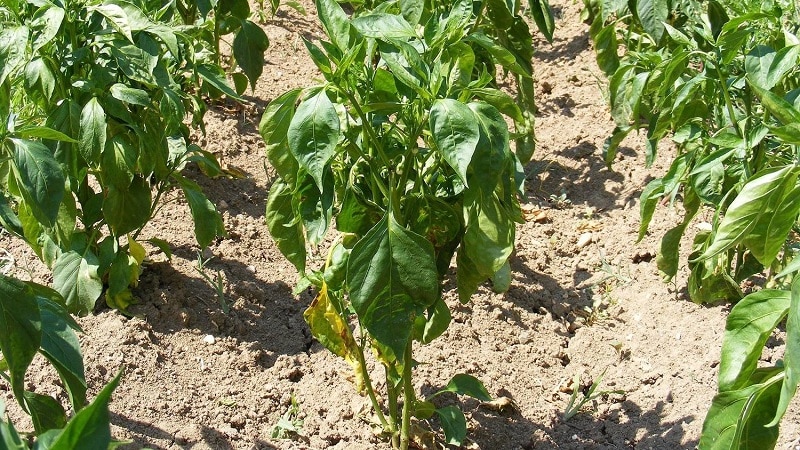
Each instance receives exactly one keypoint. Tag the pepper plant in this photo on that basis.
(95, 103)
(405, 148)
(721, 80)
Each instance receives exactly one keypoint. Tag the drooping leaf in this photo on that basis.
(488, 242)
(667, 260)
(648, 201)
(606, 47)
(736, 419)
(764, 189)
(313, 134)
(20, 330)
(491, 153)
(207, 221)
(127, 209)
(392, 278)
(93, 131)
(249, 46)
(46, 412)
(791, 358)
(455, 132)
(330, 329)
(274, 128)
(60, 344)
(75, 278)
(749, 325)
(284, 226)
(454, 424)
(316, 208)
(717, 17)
(91, 426)
(41, 181)
(543, 17)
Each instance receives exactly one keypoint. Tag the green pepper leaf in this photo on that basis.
(75, 277)
(60, 344)
(454, 424)
(274, 128)
(41, 180)
(249, 46)
(284, 226)
(455, 132)
(392, 278)
(127, 209)
(207, 221)
(90, 428)
(791, 358)
(313, 134)
(749, 325)
(737, 419)
(20, 330)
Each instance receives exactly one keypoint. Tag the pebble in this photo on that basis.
(585, 239)
(209, 339)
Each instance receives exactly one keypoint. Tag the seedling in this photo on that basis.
(290, 425)
(579, 398)
(217, 282)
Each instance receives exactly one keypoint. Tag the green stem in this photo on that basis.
(408, 398)
(391, 392)
(371, 391)
(728, 103)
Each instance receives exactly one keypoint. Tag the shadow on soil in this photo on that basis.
(625, 426)
(144, 432)
(266, 317)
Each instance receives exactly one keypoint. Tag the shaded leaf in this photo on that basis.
(249, 46)
(20, 330)
(392, 278)
(207, 221)
(284, 226)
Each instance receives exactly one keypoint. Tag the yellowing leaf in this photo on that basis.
(330, 329)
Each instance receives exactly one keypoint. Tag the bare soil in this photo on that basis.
(588, 309)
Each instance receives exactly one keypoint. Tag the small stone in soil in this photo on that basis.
(209, 339)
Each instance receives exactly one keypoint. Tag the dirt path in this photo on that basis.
(572, 309)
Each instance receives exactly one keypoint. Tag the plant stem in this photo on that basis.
(408, 398)
(371, 391)
(391, 393)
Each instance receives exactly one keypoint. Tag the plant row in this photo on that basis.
(96, 103)
(722, 81)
